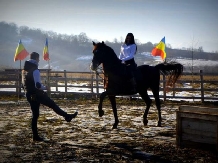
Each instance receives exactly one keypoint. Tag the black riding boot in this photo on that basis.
(130, 73)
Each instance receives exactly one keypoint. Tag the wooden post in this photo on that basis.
(48, 83)
(17, 84)
(202, 86)
(20, 82)
(91, 84)
(56, 82)
(97, 87)
(65, 79)
(164, 87)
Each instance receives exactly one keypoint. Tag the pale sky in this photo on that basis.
(184, 23)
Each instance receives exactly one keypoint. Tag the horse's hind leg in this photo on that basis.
(148, 102)
(157, 101)
(113, 104)
(100, 111)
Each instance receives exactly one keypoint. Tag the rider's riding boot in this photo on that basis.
(133, 83)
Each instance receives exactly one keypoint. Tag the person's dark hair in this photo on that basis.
(132, 41)
(34, 55)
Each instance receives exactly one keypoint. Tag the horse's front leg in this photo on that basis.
(113, 104)
(100, 111)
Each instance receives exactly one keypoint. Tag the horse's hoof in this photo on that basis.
(114, 126)
(158, 124)
(100, 113)
(145, 121)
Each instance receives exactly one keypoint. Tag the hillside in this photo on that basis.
(74, 52)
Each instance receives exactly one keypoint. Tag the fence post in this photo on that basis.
(20, 82)
(48, 83)
(202, 85)
(174, 92)
(91, 84)
(65, 82)
(56, 82)
(164, 87)
(97, 87)
(17, 84)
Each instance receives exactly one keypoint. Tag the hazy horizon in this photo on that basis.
(187, 23)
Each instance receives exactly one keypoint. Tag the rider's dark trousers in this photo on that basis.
(130, 68)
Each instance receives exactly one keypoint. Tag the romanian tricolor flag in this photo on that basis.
(159, 50)
(20, 52)
(45, 51)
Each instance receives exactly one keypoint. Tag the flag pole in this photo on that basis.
(48, 85)
(20, 54)
(19, 84)
(46, 57)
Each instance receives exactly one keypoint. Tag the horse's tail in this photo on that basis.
(172, 69)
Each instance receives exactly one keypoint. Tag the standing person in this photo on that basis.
(36, 96)
(127, 53)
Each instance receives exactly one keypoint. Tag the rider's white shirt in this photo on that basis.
(127, 52)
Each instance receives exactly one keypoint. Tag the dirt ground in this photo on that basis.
(89, 138)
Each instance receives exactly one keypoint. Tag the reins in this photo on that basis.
(97, 73)
(102, 71)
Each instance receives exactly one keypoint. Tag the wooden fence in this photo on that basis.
(191, 86)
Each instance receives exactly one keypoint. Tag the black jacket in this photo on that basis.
(29, 83)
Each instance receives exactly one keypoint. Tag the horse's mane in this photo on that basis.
(109, 49)
(103, 44)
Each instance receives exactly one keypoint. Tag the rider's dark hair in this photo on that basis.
(132, 41)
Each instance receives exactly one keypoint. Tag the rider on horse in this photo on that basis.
(127, 52)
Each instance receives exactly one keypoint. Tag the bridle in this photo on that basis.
(100, 68)
(98, 74)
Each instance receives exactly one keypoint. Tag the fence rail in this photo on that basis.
(201, 86)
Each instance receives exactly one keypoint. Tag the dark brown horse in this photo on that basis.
(117, 84)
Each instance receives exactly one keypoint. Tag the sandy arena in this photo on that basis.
(89, 138)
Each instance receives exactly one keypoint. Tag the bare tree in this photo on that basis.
(115, 40)
(200, 49)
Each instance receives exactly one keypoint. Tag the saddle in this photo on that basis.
(122, 84)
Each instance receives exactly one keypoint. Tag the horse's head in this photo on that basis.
(105, 55)
(98, 55)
